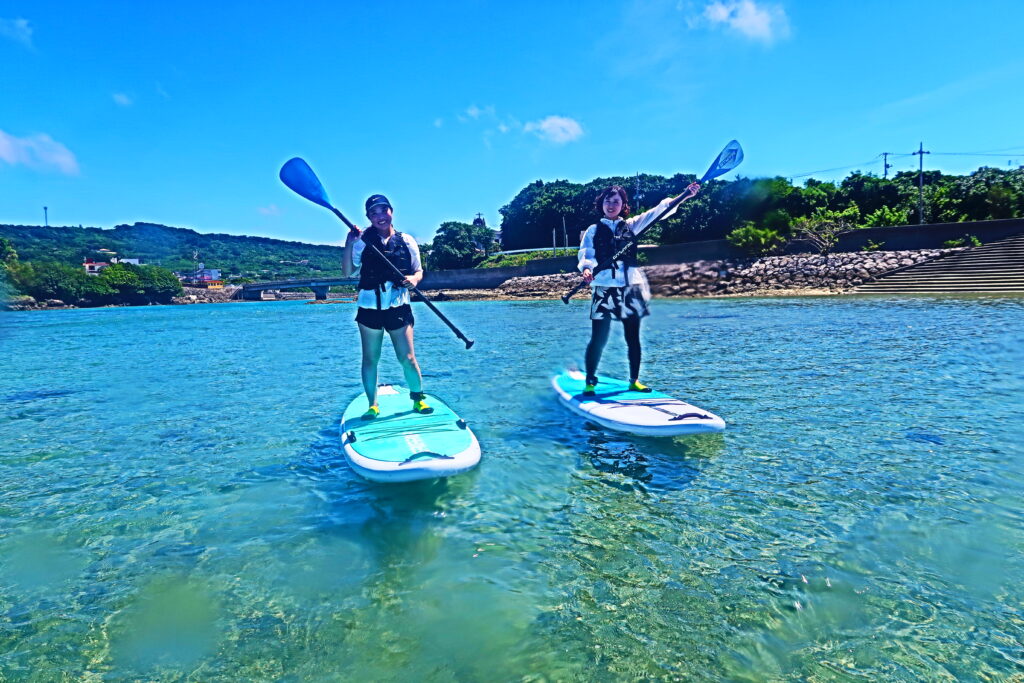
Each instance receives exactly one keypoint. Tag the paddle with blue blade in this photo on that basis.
(301, 180)
(728, 159)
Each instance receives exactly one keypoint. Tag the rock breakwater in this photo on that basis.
(792, 274)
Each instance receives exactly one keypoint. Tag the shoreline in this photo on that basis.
(446, 295)
(794, 275)
(494, 295)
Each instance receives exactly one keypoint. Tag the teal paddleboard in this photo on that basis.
(613, 405)
(402, 445)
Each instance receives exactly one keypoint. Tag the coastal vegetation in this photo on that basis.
(758, 215)
(519, 259)
(766, 211)
(178, 249)
(458, 245)
(119, 283)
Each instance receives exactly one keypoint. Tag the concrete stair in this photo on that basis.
(995, 267)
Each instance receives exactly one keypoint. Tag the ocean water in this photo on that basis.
(174, 503)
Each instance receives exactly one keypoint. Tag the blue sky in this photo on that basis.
(182, 113)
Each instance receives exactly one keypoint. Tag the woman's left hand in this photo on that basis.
(692, 189)
(412, 280)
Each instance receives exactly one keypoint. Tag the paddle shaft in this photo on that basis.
(423, 297)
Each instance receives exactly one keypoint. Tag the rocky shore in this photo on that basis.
(793, 275)
(200, 295)
(23, 302)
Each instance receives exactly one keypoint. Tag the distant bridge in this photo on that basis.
(254, 290)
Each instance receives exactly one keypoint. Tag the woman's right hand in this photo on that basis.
(588, 275)
(352, 236)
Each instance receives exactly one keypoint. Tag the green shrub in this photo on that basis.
(886, 216)
(965, 241)
(509, 260)
(872, 246)
(755, 241)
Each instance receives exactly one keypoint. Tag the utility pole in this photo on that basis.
(920, 183)
(885, 164)
(565, 235)
(554, 241)
(46, 217)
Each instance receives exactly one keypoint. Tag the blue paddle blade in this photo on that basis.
(299, 177)
(728, 159)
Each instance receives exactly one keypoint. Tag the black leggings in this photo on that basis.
(599, 337)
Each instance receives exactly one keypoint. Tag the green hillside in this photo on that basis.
(173, 248)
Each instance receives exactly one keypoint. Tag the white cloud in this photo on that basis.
(762, 22)
(556, 129)
(38, 151)
(17, 30)
(475, 112)
(271, 210)
(161, 92)
(122, 99)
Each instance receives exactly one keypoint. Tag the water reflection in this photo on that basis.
(644, 463)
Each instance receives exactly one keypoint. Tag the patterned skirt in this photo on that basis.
(618, 303)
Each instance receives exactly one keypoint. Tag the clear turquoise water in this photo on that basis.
(174, 504)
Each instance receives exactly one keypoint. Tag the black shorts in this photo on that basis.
(389, 319)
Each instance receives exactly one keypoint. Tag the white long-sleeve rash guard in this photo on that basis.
(587, 257)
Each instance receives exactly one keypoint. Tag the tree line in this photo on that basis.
(173, 248)
(757, 214)
(772, 206)
(120, 283)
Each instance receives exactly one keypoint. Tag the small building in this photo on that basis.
(94, 267)
(206, 278)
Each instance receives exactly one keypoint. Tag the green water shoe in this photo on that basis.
(419, 405)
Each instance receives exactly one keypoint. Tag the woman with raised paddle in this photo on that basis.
(620, 292)
(384, 298)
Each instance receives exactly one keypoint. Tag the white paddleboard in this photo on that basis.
(616, 407)
(402, 445)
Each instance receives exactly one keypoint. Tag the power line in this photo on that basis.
(839, 168)
(885, 156)
(977, 154)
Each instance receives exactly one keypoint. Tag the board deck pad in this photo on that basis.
(615, 406)
(402, 445)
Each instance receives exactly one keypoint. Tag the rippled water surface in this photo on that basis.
(174, 503)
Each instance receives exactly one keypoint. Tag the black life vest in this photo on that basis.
(607, 242)
(374, 272)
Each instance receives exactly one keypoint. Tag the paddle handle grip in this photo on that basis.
(351, 226)
(430, 304)
(568, 295)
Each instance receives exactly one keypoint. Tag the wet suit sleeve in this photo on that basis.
(641, 221)
(414, 252)
(586, 256)
(357, 254)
